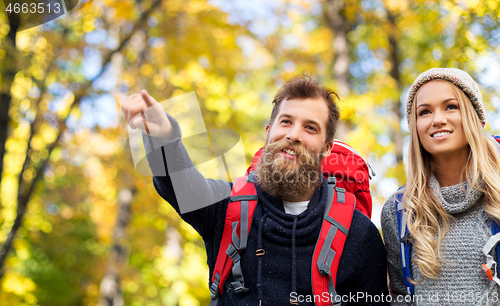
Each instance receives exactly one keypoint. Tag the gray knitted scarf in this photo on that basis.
(458, 198)
(461, 280)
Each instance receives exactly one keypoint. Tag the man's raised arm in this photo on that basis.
(175, 176)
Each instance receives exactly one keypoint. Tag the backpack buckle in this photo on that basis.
(488, 271)
(407, 239)
(332, 180)
(336, 303)
(251, 177)
(231, 251)
(240, 290)
(324, 270)
(214, 286)
(237, 287)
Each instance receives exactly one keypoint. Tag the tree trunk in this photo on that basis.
(7, 79)
(397, 135)
(333, 11)
(110, 290)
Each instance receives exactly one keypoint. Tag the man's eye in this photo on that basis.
(286, 121)
(312, 128)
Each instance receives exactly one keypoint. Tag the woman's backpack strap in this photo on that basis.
(404, 240)
(493, 243)
(497, 138)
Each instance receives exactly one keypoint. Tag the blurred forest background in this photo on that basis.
(79, 225)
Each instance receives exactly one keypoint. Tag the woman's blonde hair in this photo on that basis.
(427, 221)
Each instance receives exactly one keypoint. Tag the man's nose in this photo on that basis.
(294, 135)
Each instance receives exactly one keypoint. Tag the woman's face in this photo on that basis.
(439, 121)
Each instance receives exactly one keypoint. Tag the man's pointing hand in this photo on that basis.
(144, 112)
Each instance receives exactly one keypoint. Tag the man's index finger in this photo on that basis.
(149, 101)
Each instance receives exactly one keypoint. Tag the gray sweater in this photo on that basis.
(461, 280)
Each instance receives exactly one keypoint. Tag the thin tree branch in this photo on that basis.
(22, 203)
(35, 122)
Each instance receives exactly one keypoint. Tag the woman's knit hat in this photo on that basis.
(458, 77)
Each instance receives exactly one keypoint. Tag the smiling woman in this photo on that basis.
(435, 227)
(439, 125)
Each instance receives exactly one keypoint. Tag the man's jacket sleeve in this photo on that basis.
(199, 201)
(364, 260)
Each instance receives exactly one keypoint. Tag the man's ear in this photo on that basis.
(268, 128)
(328, 149)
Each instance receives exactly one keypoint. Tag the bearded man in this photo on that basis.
(292, 196)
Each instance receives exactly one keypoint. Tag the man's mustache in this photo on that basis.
(305, 155)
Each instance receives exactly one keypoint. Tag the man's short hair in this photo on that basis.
(308, 87)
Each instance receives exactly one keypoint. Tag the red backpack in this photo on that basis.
(347, 173)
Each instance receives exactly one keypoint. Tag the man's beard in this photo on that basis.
(284, 178)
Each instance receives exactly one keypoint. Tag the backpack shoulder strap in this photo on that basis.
(495, 229)
(404, 241)
(239, 213)
(491, 266)
(328, 250)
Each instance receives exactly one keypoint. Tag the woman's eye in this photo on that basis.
(424, 112)
(452, 106)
